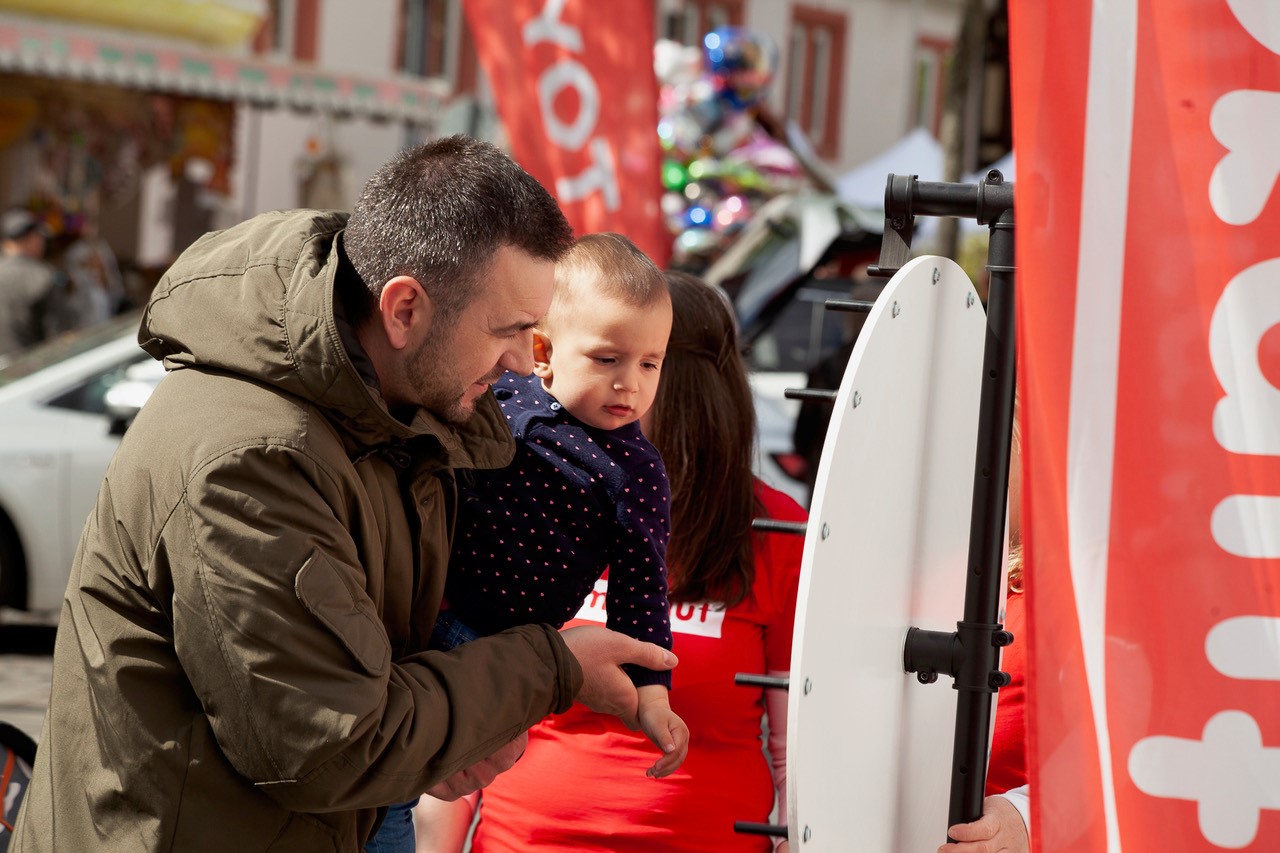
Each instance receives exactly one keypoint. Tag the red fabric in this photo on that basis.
(575, 88)
(581, 785)
(1008, 766)
(1148, 318)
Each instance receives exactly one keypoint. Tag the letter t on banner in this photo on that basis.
(576, 91)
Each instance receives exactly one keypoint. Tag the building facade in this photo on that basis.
(150, 122)
(157, 120)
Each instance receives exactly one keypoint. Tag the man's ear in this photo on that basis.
(405, 310)
(541, 354)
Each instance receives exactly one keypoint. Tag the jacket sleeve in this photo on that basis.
(292, 665)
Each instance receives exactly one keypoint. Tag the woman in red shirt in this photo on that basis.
(581, 783)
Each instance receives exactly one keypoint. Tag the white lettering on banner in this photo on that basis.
(568, 72)
(602, 174)
(705, 619)
(1245, 647)
(1247, 419)
(1229, 773)
(1246, 123)
(548, 27)
(1248, 526)
(1259, 19)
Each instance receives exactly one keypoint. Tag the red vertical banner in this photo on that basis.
(1148, 239)
(575, 88)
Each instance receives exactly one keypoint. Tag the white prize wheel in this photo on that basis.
(869, 748)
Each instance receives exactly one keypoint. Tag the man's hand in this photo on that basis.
(481, 773)
(999, 830)
(601, 654)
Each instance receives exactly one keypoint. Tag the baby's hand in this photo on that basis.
(662, 726)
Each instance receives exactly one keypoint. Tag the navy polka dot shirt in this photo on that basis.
(532, 538)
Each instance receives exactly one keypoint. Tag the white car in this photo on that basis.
(56, 439)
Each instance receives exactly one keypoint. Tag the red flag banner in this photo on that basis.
(1148, 229)
(575, 88)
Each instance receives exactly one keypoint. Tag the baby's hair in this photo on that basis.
(610, 265)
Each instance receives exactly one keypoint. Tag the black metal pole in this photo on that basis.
(981, 635)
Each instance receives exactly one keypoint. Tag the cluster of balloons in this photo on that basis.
(719, 162)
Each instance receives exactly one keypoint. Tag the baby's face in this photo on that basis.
(606, 358)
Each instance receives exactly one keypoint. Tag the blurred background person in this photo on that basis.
(27, 284)
(95, 287)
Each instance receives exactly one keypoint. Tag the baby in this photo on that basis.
(586, 490)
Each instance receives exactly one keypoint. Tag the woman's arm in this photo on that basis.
(775, 705)
(442, 827)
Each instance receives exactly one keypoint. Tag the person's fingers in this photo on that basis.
(661, 768)
(482, 773)
(982, 829)
(656, 732)
(450, 789)
(506, 757)
(623, 649)
(650, 656)
(462, 783)
(665, 766)
(601, 654)
(680, 737)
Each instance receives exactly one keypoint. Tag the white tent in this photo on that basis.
(1005, 164)
(917, 153)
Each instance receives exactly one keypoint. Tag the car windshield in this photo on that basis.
(66, 346)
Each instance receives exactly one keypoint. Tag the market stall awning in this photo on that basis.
(217, 22)
(81, 53)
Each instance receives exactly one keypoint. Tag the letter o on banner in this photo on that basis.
(568, 72)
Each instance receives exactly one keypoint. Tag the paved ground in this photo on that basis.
(26, 664)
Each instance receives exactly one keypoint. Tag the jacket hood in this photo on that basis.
(257, 300)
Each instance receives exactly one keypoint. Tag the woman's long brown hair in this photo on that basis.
(704, 426)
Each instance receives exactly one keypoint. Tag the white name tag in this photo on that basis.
(703, 620)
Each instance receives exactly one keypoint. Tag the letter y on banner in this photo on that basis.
(1149, 299)
(576, 91)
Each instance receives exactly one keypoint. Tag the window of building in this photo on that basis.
(434, 40)
(995, 135)
(687, 21)
(815, 75)
(423, 45)
(289, 29)
(932, 63)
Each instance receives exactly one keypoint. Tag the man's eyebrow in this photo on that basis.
(518, 326)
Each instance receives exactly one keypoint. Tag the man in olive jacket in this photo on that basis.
(240, 662)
